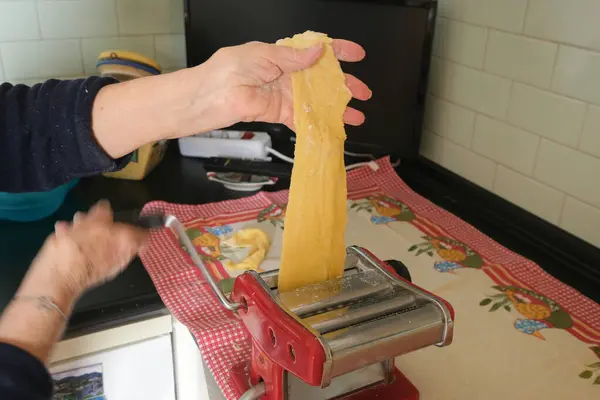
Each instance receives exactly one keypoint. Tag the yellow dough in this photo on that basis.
(313, 237)
(254, 244)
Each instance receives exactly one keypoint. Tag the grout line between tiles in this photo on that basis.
(585, 117)
(526, 35)
(544, 184)
(527, 7)
(516, 80)
(116, 3)
(562, 209)
(519, 172)
(554, 65)
(488, 33)
(56, 39)
(39, 20)
(445, 98)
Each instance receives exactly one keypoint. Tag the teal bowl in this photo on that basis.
(27, 207)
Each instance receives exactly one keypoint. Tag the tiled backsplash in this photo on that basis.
(41, 39)
(515, 104)
(515, 85)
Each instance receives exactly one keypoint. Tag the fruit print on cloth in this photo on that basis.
(206, 241)
(388, 208)
(524, 366)
(275, 214)
(539, 311)
(592, 371)
(219, 246)
(453, 253)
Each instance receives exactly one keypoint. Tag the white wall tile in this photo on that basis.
(450, 121)
(432, 146)
(510, 146)
(472, 166)
(477, 90)
(170, 51)
(140, 17)
(1, 70)
(569, 170)
(449, 8)
(590, 138)
(520, 58)
(508, 15)
(536, 104)
(547, 114)
(568, 21)
(459, 160)
(42, 59)
(18, 21)
(581, 220)
(92, 48)
(460, 42)
(77, 19)
(577, 74)
(529, 194)
(176, 23)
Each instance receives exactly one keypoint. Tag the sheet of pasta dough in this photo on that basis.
(315, 221)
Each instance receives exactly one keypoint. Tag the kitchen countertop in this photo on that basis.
(132, 296)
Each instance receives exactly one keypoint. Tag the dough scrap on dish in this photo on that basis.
(255, 244)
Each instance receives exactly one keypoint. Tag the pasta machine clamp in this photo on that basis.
(333, 340)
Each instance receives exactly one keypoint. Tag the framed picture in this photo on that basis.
(84, 383)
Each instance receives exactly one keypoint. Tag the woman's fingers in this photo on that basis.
(359, 91)
(101, 211)
(353, 117)
(358, 88)
(346, 50)
(61, 228)
(289, 59)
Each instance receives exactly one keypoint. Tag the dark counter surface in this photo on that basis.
(132, 295)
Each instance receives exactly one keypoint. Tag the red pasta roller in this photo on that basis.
(333, 340)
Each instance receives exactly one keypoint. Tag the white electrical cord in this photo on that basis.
(371, 164)
(283, 157)
(280, 155)
(359, 155)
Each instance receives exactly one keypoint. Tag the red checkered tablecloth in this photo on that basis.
(223, 341)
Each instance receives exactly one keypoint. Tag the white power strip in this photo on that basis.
(227, 144)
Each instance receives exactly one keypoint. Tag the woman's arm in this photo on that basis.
(90, 251)
(60, 130)
(77, 257)
(45, 134)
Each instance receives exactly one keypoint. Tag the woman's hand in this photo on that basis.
(78, 256)
(91, 250)
(252, 82)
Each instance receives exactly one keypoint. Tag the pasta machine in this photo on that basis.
(333, 340)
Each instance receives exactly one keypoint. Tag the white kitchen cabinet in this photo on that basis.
(142, 370)
(154, 359)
